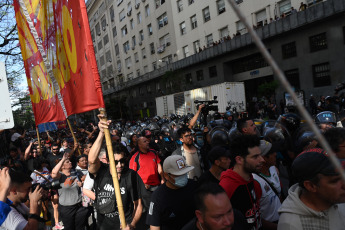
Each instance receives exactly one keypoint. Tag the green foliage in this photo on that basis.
(23, 115)
(267, 89)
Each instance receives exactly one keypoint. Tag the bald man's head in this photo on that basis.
(143, 144)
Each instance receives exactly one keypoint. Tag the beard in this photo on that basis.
(250, 168)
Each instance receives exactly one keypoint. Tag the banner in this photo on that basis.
(59, 59)
(50, 126)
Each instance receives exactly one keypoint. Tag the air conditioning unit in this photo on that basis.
(168, 43)
(140, 43)
(137, 6)
(133, 47)
(99, 34)
(144, 56)
(152, 51)
(136, 60)
(129, 13)
(103, 28)
(93, 40)
(128, 67)
(143, 0)
(151, 32)
(109, 60)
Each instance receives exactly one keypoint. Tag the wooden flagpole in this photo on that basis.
(113, 171)
(74, 138)
(39, 140)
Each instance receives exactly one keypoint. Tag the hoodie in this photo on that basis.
(294, 214)
(243, 196)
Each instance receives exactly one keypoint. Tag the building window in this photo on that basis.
(251, 62)
(149, 29)
(148, 88)
(293, 78)
(318, 42)
(185, 51)
(108, 56)
(159, 3)
(209, 40)
(164, 41)
(112, 14)
(154, 65)
(143, 53)
(193, 22)
(136, 57)
(138, 72)
(212, 71)
(152, 48)
(126, 46)
(285, 7)
(221, 6)
(139, 17)
(117, 50)
(146, 69)
(131, 22)
(98, 29)
(289, 50)
(179, 5)
(200, 75)
(206, 13)
(124, 31)
(141, 35)
(162, 20)
(240, 28)
(158, 86)
(128, 62)
(104, 23)
(122, 15)
(223, 32)
(119, 66)
(238, 1)
(147, 10)
(102, 60)
(183, 28)
(188, 78)
(133, 42)
(196, 46)
(95, 48)
(141, 90)
(100, 45)
(114, 32)
(105, 39)
(321, 75)
(261, 18)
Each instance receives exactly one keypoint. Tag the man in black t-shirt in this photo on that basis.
(171, 205)
(220, 159)
(131, 187)
(54, 156)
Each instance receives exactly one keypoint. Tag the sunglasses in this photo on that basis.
(122, 161)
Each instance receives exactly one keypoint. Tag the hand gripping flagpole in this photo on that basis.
(278, 72)
(113, 171)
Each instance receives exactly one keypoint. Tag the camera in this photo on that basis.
(209, 105)
(46, 187)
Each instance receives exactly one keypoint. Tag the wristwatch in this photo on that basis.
(34, 216)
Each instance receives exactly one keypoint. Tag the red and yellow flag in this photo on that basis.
(59, 59)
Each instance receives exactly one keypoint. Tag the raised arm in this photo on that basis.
(195, 118)
(56, 169)
(27, 151)
(94, 163)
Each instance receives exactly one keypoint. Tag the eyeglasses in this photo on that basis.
(122, 161)
(55, 149)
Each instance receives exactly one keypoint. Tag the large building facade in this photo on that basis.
(150, 48)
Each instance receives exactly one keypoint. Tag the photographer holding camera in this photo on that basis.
(14, 214)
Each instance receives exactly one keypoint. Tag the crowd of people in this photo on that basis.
(175, 173)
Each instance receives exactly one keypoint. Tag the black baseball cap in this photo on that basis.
(311, 162)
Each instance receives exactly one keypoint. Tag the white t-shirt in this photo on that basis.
(269, 202)
(15, 220)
